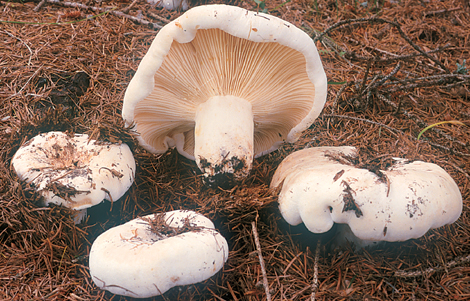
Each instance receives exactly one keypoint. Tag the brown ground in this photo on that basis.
(390, 75)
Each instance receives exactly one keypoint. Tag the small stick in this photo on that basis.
(351, 22)
(155, 16)
(363, 85)
(127, 9)
(364, 120)
(315, 272)
(40, 4)
(340, 92)
(383, 80)
(30, 51)
(261, 261)
(432, 80)
(396, 131)
(370, 48)
(113, 12)
(394, 57)
(231, 292)
(409, 274)
(442, 11)
(27, 82)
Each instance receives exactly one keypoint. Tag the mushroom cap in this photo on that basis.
(225, 50)
(74, 171)
(300, 160)
(133, 261)
(410, 199)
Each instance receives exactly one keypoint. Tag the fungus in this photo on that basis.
(319, 188)
(74, 171)
(225, 85)
(147, 256)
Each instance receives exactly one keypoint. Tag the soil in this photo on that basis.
(394, 68)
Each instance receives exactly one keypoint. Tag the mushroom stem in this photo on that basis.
(223, 137)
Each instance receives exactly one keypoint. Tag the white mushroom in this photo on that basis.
(74, 171)
(140, 260)
(320, 188)
(224, 85)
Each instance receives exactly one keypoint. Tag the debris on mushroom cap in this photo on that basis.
(402, 203)
(301, 160)
(135, 260)
(74, 171)
(170, 4)
(214, 67)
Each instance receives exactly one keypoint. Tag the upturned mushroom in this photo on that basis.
(318, 187)
(147, 256)
(225, 85)
(74, 171)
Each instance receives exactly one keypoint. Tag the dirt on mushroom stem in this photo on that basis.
(224, 180)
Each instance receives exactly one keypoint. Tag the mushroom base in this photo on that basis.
(344, 235)
(223, 136)
(79, 216)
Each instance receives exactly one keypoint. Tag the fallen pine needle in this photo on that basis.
(439, 123)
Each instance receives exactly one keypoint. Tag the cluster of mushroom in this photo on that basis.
(224, 85)
(133, 259)
(221, 84)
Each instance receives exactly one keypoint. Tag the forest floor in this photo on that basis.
(394, 67)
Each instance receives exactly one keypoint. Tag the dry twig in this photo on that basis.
(113, 12)
(450, 264)
(351, 22)
(315, 272)
(40, 4)
(261, 261)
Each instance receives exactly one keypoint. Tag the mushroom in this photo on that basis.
(319, 188)
(74, 171)
(170, 4)
(225, 85)
(147, 256)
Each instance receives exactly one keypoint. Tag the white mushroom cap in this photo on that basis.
(217, 51)
(300, 160)
(405, 203)
(74, 171)
(131, 260)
